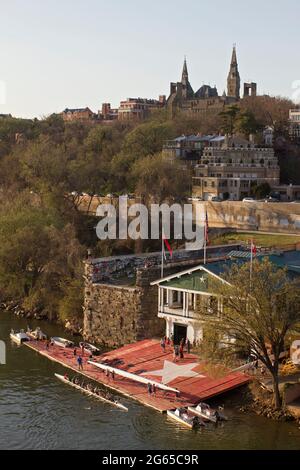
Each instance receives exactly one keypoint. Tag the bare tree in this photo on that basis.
(261, 305)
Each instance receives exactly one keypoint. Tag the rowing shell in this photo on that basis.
(87, 392)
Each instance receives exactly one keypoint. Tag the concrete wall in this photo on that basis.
(274, 217)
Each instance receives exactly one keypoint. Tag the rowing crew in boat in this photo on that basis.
(90, 388)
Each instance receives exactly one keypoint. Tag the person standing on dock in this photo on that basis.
(80, 361)
(176, 352)
(188, 346)
(163, 344)
(181, 349)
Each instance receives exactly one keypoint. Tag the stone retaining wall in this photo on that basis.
(273, 217)
(99, 269)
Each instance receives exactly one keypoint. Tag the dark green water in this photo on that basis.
(38, 412)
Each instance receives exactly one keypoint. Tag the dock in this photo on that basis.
(147, 359)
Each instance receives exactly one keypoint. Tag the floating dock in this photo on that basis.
(147, 359)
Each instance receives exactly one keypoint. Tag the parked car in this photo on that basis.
(248, 199)
(215, 199)
(271, 199)
(195, 198)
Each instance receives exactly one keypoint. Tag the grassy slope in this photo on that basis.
(258, 239)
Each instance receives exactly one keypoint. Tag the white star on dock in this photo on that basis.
(171, 371)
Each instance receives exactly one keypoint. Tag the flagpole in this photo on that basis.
(251, 264)
(205, 238)
(162, 256)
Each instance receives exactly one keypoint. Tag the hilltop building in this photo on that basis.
(107, 113)
(139, 108)
(229, 168)
(206, 100)
(189, 148)
(78, 114)
(295, 124)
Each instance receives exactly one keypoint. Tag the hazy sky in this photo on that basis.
(74, 53)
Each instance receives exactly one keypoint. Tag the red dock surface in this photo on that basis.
(147, 358)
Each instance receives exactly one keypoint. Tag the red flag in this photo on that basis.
(168, 246)
(253, 248)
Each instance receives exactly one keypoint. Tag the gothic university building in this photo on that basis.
(182, 98)
(207, 100)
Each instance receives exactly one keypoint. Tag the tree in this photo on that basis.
(258, 314)
(156, 177)
(246, 123)
(260, 190)
(268, 110)
(229, 116)
(37, 253)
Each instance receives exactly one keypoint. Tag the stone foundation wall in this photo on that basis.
(112, 313)
(117, 315)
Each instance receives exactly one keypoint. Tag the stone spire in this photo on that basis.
(187, 91)
(185, 75)
(233, 58)
(234, 81)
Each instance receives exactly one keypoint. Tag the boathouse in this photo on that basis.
(120, 304)
(186, 299)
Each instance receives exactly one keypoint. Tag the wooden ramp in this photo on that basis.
(147, 359)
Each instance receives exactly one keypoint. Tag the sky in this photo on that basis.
(75, 53)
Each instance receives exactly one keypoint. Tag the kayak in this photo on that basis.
(90, 348)
(92, 394)
(62, 342)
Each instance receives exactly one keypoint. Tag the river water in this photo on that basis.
(39, 412)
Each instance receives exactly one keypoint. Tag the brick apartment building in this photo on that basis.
(139, 108)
